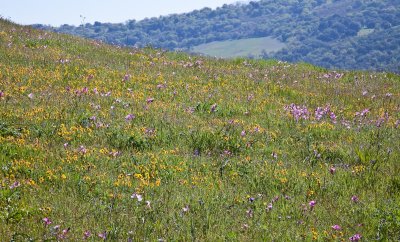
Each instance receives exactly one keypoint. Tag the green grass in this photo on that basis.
(144, 144)
(240, 48)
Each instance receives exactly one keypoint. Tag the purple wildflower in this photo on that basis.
(15, 185)
(129, 117)
(87, 234)
(103, 235)
(312, 204)
(355, 237)
(82, 149)
(1, 94)
(126, 77)
(214, 108)
(332, 170)
(298, 112)
(160, 86)
(336, 227)
(355, 199)
(47, 221)
(333, 117)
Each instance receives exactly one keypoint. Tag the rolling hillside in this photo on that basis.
(322, 32)
(106, 143)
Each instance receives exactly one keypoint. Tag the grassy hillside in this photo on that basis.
(253, 47)
(107, 143)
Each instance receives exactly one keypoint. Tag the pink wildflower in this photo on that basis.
(15, 185)
(103, 235)
(87, 234)
(355, 237)
(336, 227)
(355, 199)
(47, 221)
(312, 204)
(129, 117)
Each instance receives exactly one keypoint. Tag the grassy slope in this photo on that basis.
(240, 48)
(199, 148)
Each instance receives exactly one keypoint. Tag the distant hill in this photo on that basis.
(349, 34)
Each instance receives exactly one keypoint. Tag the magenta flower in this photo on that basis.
(129, 117)
(47, 221)
(15, 185)
(336, 227)
(150, 100)
(82, 149)
(1, 94)
(160, 86)
(298, 112)
(85, 90)
(103, 235)
(355, 237)
(333, 117)
(332, 170)
(312, 204)
(127, 77)
(355, 199)
(64, 233)
(87, 234)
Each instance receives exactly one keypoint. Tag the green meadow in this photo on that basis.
(253, 47)
(121, 144)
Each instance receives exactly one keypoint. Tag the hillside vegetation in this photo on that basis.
(251, 48)
(322, 32)
(123, 144)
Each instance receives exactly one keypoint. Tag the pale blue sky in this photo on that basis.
(57, 12)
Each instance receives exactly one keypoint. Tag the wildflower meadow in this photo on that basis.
(122, 144)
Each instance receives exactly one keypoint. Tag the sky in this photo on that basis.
(76, 12)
